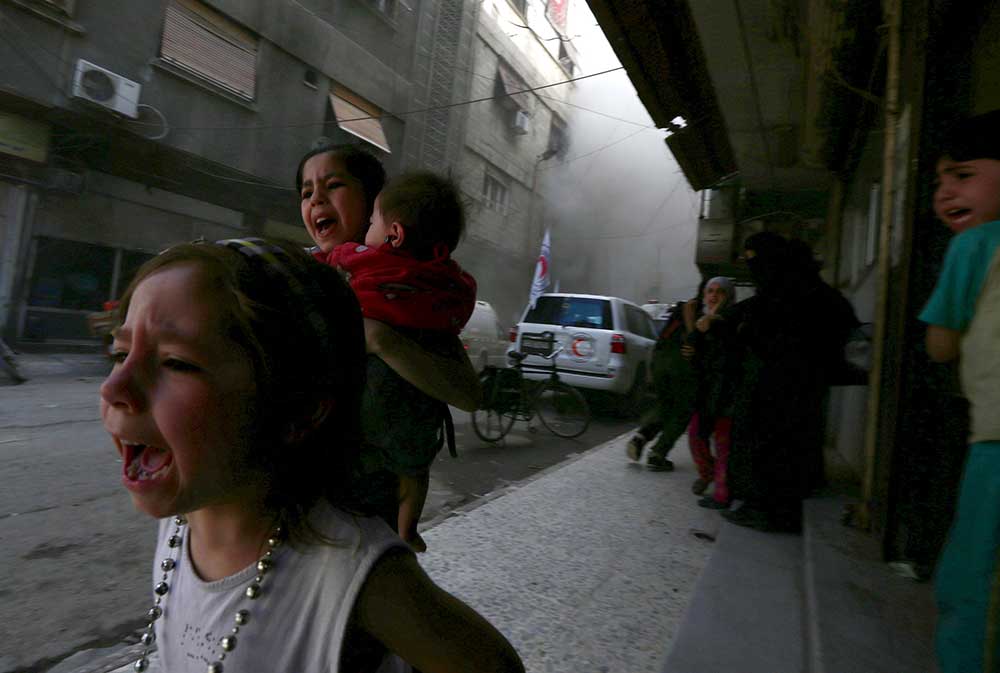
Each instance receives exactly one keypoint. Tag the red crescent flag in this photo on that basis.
(541, 281)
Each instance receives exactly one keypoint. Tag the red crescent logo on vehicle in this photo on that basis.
(581, 347)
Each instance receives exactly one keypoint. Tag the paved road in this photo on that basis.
(76, 555)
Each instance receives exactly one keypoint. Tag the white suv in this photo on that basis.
(484, 339)
(607, 342)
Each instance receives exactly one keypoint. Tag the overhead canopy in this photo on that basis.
(508, 86)
(657, 42)
(772, 89)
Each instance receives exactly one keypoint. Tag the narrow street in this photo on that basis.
(77, 554)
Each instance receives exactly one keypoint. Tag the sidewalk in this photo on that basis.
(588, 566)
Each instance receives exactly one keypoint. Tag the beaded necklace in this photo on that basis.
(228, 642)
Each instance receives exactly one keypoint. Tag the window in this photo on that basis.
(571, 312)
(558, 139)
(495, 193)
(508, 83)
(71, 275)
(70, 280)
(517, 105)
(638, 322)
(358, 117)
(565, 60)
(202, 41)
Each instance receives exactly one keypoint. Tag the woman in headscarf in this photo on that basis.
(713, 360)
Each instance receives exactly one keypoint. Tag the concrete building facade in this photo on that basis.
(127, 127)
(509, 136)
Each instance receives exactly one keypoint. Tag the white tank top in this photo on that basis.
(299, 621)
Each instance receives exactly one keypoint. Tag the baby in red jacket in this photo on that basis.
(404, 276)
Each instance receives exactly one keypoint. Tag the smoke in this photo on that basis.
(623, 217)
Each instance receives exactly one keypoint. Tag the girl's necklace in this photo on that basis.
(226, 643)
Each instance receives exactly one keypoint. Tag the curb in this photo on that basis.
(464, 509)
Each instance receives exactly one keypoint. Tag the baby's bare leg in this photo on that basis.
(412, 496)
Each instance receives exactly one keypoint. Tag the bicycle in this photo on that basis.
(509, 396)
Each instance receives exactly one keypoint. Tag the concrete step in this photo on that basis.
(822, 602)
(746, 614)
(861, 616)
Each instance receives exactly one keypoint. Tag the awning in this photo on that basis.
(508, 84)
(657, 42)
(359, 117)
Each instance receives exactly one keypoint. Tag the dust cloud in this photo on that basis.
(623, 217)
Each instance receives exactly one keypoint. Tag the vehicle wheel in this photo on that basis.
(630, 404)
(562, 409)
(491, 425)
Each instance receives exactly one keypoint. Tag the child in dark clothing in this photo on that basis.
(403, 275)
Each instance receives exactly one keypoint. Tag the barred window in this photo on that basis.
(495, 193)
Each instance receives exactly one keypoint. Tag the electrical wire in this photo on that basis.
(255, 183)
(406, 113)
(163, 119)
(602, 114)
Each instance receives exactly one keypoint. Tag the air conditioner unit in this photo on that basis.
(105, 88)
(520, 122)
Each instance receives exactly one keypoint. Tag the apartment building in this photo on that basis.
(125, 127)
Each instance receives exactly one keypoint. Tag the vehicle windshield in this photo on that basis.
(571, 312)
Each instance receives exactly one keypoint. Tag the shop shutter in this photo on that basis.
(200, 40)
(358, 117)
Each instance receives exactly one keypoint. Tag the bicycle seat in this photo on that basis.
(516, 356)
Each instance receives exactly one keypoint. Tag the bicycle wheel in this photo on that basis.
(491, 425)
(563, 409)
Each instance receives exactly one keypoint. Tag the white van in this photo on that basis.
(484, 338)
(607, 342)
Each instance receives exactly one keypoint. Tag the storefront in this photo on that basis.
(82, 250)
